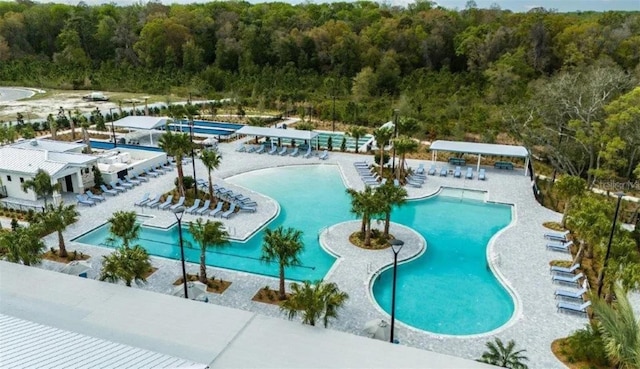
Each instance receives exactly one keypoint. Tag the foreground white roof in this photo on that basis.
(200, 332)
(277, 132)
(480, 148)
(141, 122)
(29, 345)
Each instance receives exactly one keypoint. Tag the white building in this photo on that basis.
(118, 162)
(63, 161)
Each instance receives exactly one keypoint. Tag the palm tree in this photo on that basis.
(53, 126)
(209, 234)
(367, 205)
(284, 246)
(356, 132)
(211, 160)
(569, 187)
(127, 264)
(382, 136)
(76, 119)
(620, 330)
(502, 356)
(41, 185)
(123, 226)
(390, 196)
(316, 301)
(177, 145)
(403, 145)
(84, 124)
(22, 245)
(58, 218)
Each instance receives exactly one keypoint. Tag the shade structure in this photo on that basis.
(196, 290)
(378, 329)
(76, 267)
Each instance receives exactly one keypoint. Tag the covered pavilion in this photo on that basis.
(292, 134)
(146, 124)
(481, 149)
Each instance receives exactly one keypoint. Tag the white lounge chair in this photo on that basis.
(295, 152)
(557, 236)
(432, 170)
(227, 214)
(178, 204)
(195, 206)
(469, 174)
(83, 200)
(217, 210)
(283, 152)
(108, 191)
(571, 294)
(143, 200)
(559, 269)
(457, 173)
(573, 308)
(324, 155)
(203, 209)
(93, 197)
(567, 279)
(559, 246)
(482, 175)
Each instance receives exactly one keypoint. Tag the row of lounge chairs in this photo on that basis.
(89, 199)
(275, 150)
(368, 174)
(571, 300)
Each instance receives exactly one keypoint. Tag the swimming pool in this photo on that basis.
(299, 200)
(449, 289)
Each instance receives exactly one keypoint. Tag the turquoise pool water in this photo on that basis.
(305, 204)
(449, 289)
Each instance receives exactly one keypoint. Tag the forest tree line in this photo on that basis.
(561, 83)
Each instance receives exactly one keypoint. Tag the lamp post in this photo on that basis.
(606, 257)
(179, 212)
(395, 135)
(113, 128)
(396, 246)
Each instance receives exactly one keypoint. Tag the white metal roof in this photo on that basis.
(201, 332)
(480, 148)
(277, 132)
(141, 122)
(50, 145)
(30, 345)
(22, 160)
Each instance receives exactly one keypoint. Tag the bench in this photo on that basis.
(457, 161)
(503, 165)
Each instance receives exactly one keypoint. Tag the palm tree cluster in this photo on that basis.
(177, 145)
(504, 356)
(314, 301)
(208, 235)
(371, 203)
(282, 246)
(128, 263)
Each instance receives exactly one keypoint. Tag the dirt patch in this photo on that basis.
(562, 350)
(378, 240)
(267, 295)
(554, 226)
(213, 285)
(71, 256)
(149, 272)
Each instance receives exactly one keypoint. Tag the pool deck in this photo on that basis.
(517, 254)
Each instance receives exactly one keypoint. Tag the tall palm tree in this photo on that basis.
(22, 245)
(382, 136)
(84, 124)
(58, 218)
(620, 330)
(177, 145)
(366, 205)
(316, 301)
(41, 185)
(75, 120)
(403, 145)
(53, 126)
(282, 246)
(124, 227)
(211, 160)
(356, 132)
(502, 356)
(127, 264)
(209, 234)
(390, 196)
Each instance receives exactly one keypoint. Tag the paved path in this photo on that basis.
(517, 255)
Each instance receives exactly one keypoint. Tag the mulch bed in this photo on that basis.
(267, 295)
(378, 242)
(71, 256)
(213, 285)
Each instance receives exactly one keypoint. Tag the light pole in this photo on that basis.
(396, 246)
(179, 212)
(193, 159)
(606, 257)
(113, 128)
(395, 135)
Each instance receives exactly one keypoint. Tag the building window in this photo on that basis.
(9, 178)
(21, 180)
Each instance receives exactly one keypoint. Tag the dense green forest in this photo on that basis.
(562, 83)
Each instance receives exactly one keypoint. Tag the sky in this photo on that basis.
(514, 5)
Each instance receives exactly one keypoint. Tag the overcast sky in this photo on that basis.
(514, 5)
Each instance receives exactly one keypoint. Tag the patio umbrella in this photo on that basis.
(194, 290)
(76, 268)
(378, 329)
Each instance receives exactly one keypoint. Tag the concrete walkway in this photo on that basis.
(517, 254)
